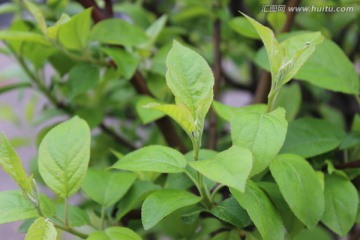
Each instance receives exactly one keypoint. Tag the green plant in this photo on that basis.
(268, 176)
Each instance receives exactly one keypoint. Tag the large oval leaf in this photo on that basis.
(262, 133)
(64, 155)
(300, 186)
(231, 167)
(309, 137)
(153, 158)
(41, 229)
(107, 187)
(261, 211)
(341, 204)
(161, 203)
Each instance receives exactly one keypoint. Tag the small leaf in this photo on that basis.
(230, 167)
(300, 186)
(64, 155)
(115, 233)
(232, 235)
(153, 31)
(227, 112)
(41, 229)
(161, 203)
(119, 32)
(262, 133)
(82, 78)
(309, 137)
(14, 207)
(11, 163)
(153, 158)
(341, 204)
(12, 35)
(290, 99)
(243, 27)
(107, 187)
(37, 13)
(145, 112)
(261, 211)
(74, 33)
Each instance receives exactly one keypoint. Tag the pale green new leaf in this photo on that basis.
(145, 112)
(191, 80)
(12, 35)
(119, 32)
(37, 13)
(11, 163)
(153, 158)
(115, 233)
(300, 186)
(231, 167)
(74, 33)
(262, 133)
(243, 27)
(179, 113)
(64, 155)
(154, 30)
(107, 187)
(226, 112)
(41, 229)
(261, 211)
(53, 30)
(161, 203)
(341, 204)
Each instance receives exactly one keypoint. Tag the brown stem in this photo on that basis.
(264, 83)
(115, 136)
(217, 77)
(353, 164)
(97, 14)
(109, 8)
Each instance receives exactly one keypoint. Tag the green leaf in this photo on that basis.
(11, 163)
(309, 137)
(64, 155)
(14, 207)
(232, 235)
(136, 195)
(243, 27)
(82, 78)
(276, 20)
(41, 229)
(12, 35)
(341, 204)
(300, 186)
(119, 32)
(261, 211)
(161, 203)
(226, 112)
(145, 113)
(262, 133)
(115, 233)
(317, 233)
(37, 13)
(107, 187)
(153, 158)
(230, 211)
(231, 167)
(290, 99)
(126, 63)
(76, 216)
(154, 30)
(74, 33)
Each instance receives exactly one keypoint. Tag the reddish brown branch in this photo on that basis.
(353, 164)
(97, 14)
(217, 77)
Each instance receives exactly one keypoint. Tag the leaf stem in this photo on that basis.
(216, 189)
(66, 212)
(103, 209)
(72, 231)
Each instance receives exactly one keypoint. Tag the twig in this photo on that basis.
(353, 164)
(217, 77)
(264, 83)
(97, 14)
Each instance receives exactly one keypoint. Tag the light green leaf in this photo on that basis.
(53, 31)
(243, 27)
(290, 99)
(119, 32)
(126, 63)
(12, 35)
(76, 216)
(261, 211)
(153, 158)
(37, 13)
(115, 233)
(317, 233)
(300, 186)
(231, 167)
(262, 133)
(230, 211)
(11, 163)
(341, 204)
(226, 112)
(161, 203)
(74, 33)
(41, 229)
(64, 155)
(232, 235)
(154, 30)
(309, 137)
(14, 207)
(179, 113)
(107, 187)
(145, 113)
(276, 20)
(82, 78)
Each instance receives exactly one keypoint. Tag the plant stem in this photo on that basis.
(103, 209)
(66, 213)
(217, 188)
(72, 231)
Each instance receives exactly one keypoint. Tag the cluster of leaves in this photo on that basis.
(262, 178)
